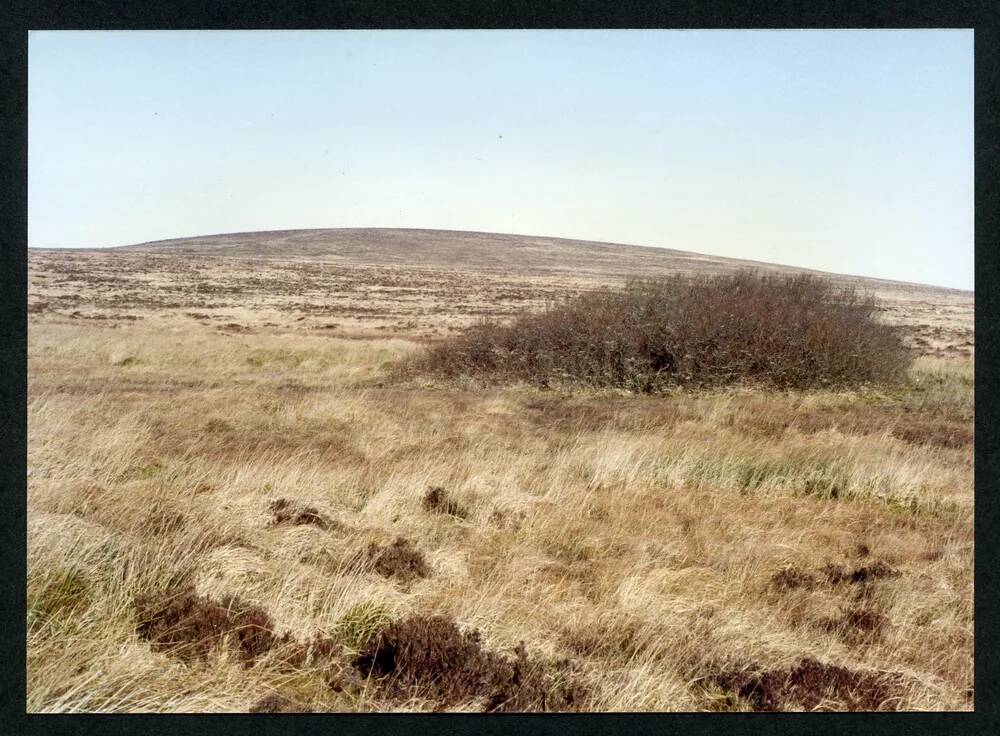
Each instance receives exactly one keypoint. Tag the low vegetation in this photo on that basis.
(747, 327)
(429, 658)
(262, 521)
(399, 560)
(186, 625)
(809, 685)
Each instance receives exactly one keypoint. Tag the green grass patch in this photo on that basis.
(362, 623)
(56, 598)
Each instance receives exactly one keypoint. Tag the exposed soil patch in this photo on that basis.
(811, 685)
(286, 512)
(856, 625)
(185, 625)
(840, 575)
(437, 500)
(399, 560)
(429, 657)
(791, 578)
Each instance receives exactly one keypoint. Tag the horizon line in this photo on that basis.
(159, 241)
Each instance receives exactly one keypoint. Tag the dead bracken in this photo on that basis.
(185, 625)
(429, 657)
(436, 500)
(811, 685)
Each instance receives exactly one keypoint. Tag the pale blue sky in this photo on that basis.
(846, 151)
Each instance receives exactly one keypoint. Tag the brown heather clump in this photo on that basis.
(790, 578)
(856, 625)
(745, 327)
(436, 500)
(838, 574)
(400, 560)
(185, 625)
(811, 685)
(285, 512)
(429, 657)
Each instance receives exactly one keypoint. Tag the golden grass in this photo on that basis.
(637, 536)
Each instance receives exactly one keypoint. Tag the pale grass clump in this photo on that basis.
(637, 536)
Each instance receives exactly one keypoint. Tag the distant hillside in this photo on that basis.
(409, 282)
(463, 250)
(434, 248)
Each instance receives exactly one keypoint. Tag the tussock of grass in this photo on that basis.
(59, 595)
(362, 623)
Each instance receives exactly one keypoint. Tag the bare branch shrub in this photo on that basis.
(747, 327)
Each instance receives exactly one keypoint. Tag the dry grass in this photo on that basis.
(425, 288)
(705, 550)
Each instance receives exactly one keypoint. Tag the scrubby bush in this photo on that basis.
(746, 327)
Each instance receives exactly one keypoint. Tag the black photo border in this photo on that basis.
(19, 17)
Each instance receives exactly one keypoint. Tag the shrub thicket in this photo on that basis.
(784, 331)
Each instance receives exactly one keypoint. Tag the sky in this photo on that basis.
(844, 151)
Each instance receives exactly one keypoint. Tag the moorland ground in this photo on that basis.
(210, 420)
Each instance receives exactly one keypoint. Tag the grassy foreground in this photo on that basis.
(683, 552)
